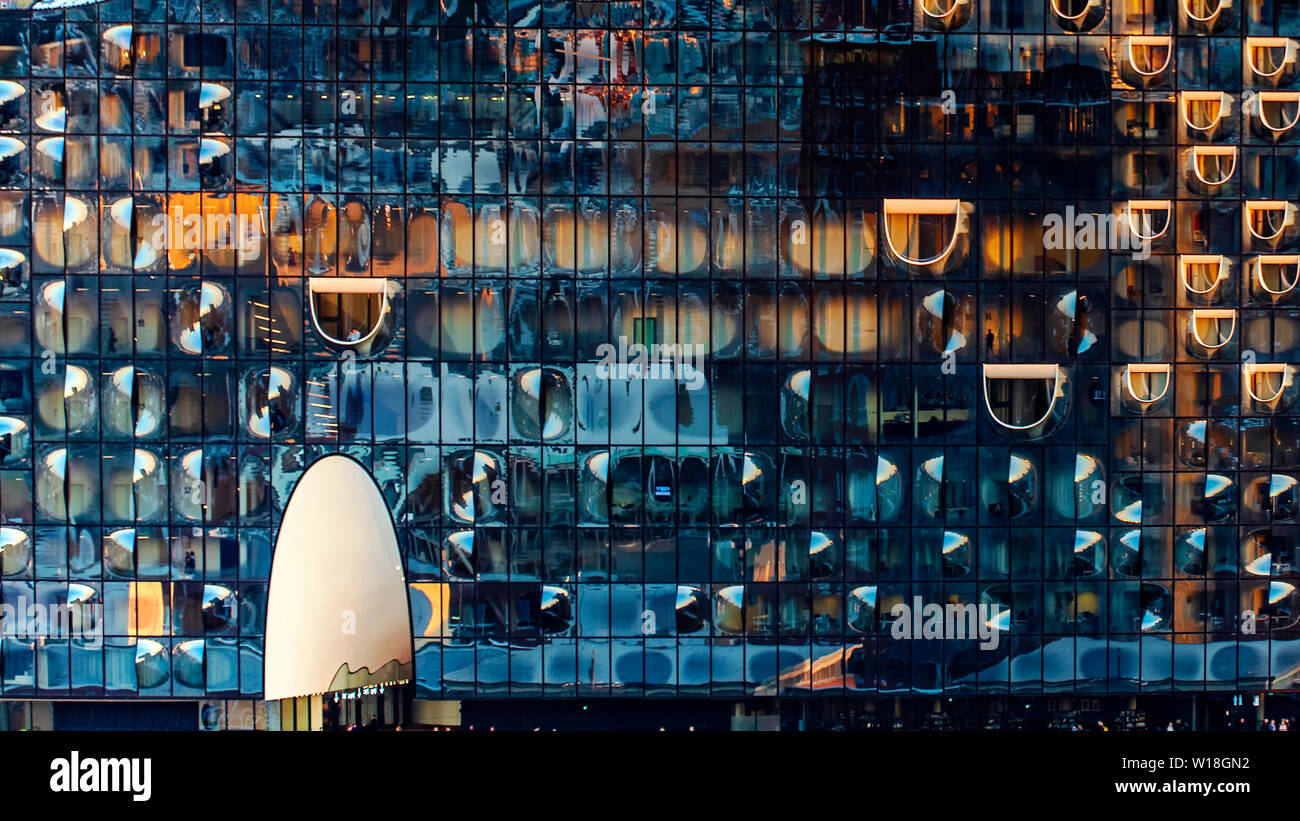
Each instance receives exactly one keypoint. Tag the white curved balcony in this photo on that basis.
(1024, 399)
(1274, 113)
(1209, 167)
(927, 234)
(1202, 274)
(943, 15)
(1206, 16)
(1270, 60)
(1268, 221)
(1268, 386)
(1203, 112)
(1274, 275)
(352, 313)
(1146, 384)
(1145, 60)
(1076, 16)
(1148, 220)
(1210, 329)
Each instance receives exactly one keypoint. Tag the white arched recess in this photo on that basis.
(337, 615)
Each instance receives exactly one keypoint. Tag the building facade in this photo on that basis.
(709, 350)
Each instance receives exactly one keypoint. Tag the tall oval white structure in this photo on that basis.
(337, 614)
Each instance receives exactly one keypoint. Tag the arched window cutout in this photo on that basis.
(1201, 274)
(1077, 16)
(1212, 165)
(1276, 112)
(1267, 220)
(1147, 383)
(1144, 216)
(944, 15)
(1203, 110)
(1272, 59)
(13, 268)
(1022, 397)
(925, 232)
(1212, 328)
(1146, 58)
(352, 313)
(1207, 15)
(1276, 274)
(1266, 382)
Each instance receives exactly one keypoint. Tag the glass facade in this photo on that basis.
(686, 341)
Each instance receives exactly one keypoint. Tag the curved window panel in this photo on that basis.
(388, 241)
(188, 485)
(542, 404)
(352, 313)
(1155, 609)
(1274, 114)
(1202, 274)
(286, 234)
(66, 318)
(1070, 324)
(134, 401)
(13, 159)
(1209, 330)
(944, 322)
(1274, 275)
(129, 231)
(15, 273)
(1077, 16)
(215, 162)
(15, 441)
(474, 483)
(202, 319)
(187, 663)
(423, 234)
(270, 401)
(1268, 387)
(1270, 60)
(925, 234)
(234, 230)
(728, 232)
(943, 15)
(1205, 113)
(577, 242)
(729, 610)
(67, 484)
(117, 49)
(214, 107)
(845, 324)
(320, 236)
(67, 405)
(1207, 16)
(1269, 223)
(1025, 400)
(676, 240)
(831, 244)
(15, 552)
(1214, 498)
(134, 489)
(1210, 166)
(1276, 496)
(152, 664)
(1145, 60)
(498, 239)
(1148, 220)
